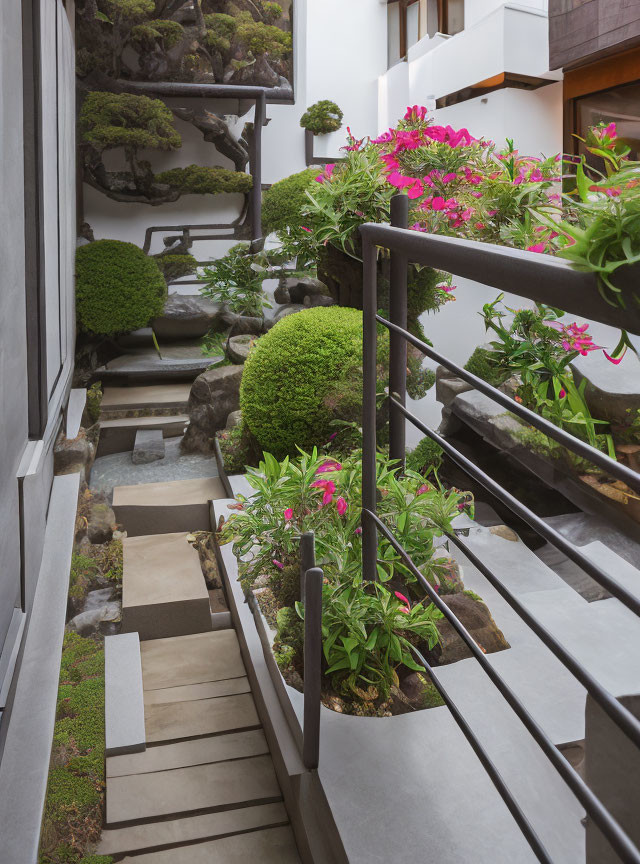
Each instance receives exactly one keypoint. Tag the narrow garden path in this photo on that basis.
(205, 788)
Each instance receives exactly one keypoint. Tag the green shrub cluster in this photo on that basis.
(322, 117)
(425, 457)
(175, 266)
(238, 448)
(260, 38)
(282, 203)
(109, 120)
(302, 375)
(201, 180)
(481, 364)
(73, 807)
(118, 287)
(161, 28)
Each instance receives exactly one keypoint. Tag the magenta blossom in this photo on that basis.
(537, 247)
(562, 393)
(327, 498)
(328, 485)
(358, 530)
(329, 465)
(278, 564)
(400, 596)
(288, 514)
(341, 506)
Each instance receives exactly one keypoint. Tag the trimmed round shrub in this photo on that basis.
(282, 203)
(322, 117)
(118, 287)
(303, 374)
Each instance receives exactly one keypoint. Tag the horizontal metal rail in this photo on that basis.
(576, 445)
(615, 834)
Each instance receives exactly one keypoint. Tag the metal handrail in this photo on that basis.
(545, 280)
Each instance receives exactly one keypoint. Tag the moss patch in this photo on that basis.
(481, 364)
(282, 203)
(200, 180)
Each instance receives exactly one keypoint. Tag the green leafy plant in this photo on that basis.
(425, 458)
(175, 266)
(236, 279)
(322, 117)
(118, 287)
(199, 180)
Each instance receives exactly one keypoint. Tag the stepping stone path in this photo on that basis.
(205, 787)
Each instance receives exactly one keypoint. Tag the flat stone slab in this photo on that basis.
(181, 790)
(159, 508)
(168, 721)
(163, 590)
(272, 846)
(147, 366)
(124, 705)
(119, 435)
(182, 754)
(165, 396)
(208, 690)
(148, 446)
(194, 659)
(115, 841)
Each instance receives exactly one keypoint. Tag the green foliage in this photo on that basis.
(259, 38)
(482, 364)
(425, 458)
(238, 448)
(201, 180)
(419, 379)
(109, 120)
(175, 266)
(322, 117)
(170, 32)
(236, 279)
(75, 792)
(94, 400)
(303, 374)
(128, 9)
(220, 31)
(118, 287)
(271, 11)
(282, 203)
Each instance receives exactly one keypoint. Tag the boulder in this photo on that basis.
(448, 386)
(103, 620)
(101, 524)
(477, 619)
(186, 317)
(299, 287)
(73, 454)
(234, 419)
(612, 392)
(238, 348)
(214, 395)
(241, 324)
(318, 300)
(288, 309)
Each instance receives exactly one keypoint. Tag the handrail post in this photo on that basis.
(369, 381)
(312, 666)
(307, 558)
(397, 343)
(256, 168)
(308, 147)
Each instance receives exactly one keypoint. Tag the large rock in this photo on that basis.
(102, 523)
(448, 386)
(238, 348)
(186, 317)
(214, 395)
(295, 289)
(612, 392)
(477, 619)
(288, 309)
(73, 454)
(99, 618)
(318, 300)
(242, 324)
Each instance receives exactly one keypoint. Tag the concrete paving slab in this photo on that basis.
(163, 589)
(153, 834)
(124, 706)
(173, 395)
(193, 659)
(148, 446)
(118, 435)
(181, 754)
(159, 508)
(145, 367)
(181, 790)
(172, 720)
(210, 690)
(272, 846)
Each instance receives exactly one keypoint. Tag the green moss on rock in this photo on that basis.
(481, 364)
(118, 287)
(425, 458)
(175, 266)
(282, 203)
(201, 180)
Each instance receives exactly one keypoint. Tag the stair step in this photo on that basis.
(123, 695)
(119, 435)
(160, 508)
(181, 790)
(195, 659)
(182, 754)
(163, 589)
(207, 690)
(146, 367)
(148, 446)
(116, 841)
(144, 399)
(173, 720)
(270, 846)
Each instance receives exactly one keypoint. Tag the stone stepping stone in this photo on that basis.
(271, 846)
(144, 398)
(116, 841)
(160, 508)
(194, 659)
(210, 690)
(119, 435)
(163, 590)
(182, 754)
(198, 787)
(166, 722)
(145, 366)
(148, 446)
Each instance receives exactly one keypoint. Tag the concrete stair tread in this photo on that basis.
(158, 508)
(270, 846)
(181, 790)
(168, 721)
(163, 588)
(206, 826)
(193, 659)
(147, 396)
(118, 435)
(182, 754)
(145, 365)
(208, 690)
(123, 695)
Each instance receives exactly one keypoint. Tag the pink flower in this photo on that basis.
(341, 506)
(424, 488)
(358, 530)
(288, 514)
(308, 230)
(327, 498)
(562, 393)
(438, 203)
(278, 564)
(330, 465)
(400, 596)
(327, 485)
(537, 247)
(536, 176)
(405, 610)
(416, 190)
